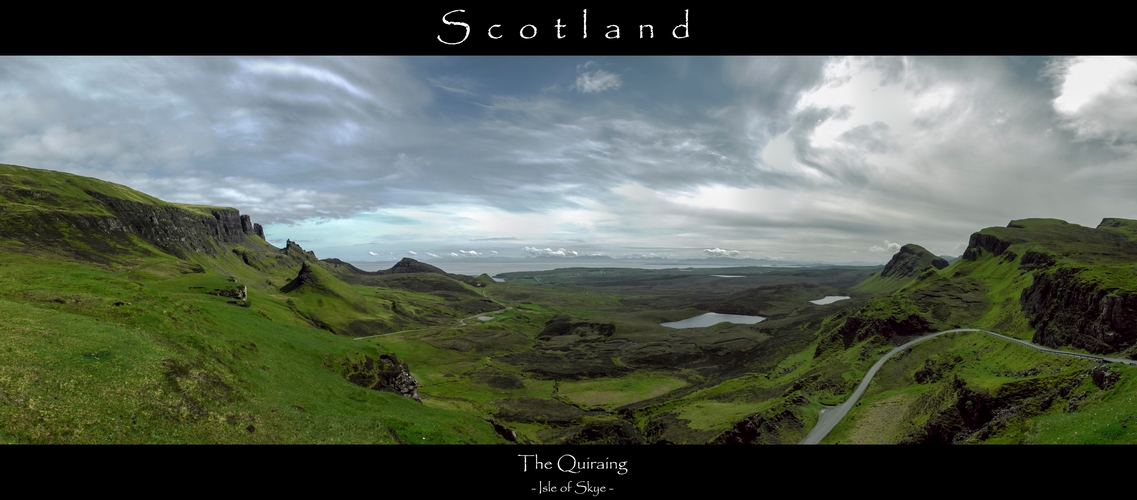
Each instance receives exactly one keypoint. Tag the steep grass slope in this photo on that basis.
(133, 320)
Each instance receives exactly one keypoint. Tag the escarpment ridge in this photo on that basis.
(1057, 283)
(96, 220)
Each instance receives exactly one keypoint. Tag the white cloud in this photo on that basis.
(291, 69)
(719, 252)
(432, 255)
(372, 253)
(412, 252)
(597, 81)
(549, 252)
(888, 247)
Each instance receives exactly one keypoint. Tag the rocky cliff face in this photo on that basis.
(988, 242)
(1066, 310)
(175, 230)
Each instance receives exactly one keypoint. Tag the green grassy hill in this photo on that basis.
(1056, 284)
(133, 320)
(904, 267)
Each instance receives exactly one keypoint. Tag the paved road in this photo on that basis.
(831, 416)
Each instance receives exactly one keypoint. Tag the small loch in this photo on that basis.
(711, 319)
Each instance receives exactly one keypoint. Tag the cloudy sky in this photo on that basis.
(442, 158)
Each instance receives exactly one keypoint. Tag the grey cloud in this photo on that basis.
(1096, 97)
(873, 138)
(253, 118)
(770, 87)
(268, 203)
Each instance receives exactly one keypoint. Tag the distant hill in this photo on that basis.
(409, 265)
(408, 274)
(404, 266)
(904, 267)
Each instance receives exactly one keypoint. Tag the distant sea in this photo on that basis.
(495, 268)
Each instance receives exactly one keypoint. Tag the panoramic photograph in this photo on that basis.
(568, 250)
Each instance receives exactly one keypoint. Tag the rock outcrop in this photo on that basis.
(1066, 310)
(1104, 378)
(292, 248)
(240, 293)
(308, 277)
(387, 373)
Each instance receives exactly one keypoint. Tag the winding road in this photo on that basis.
(831, 416)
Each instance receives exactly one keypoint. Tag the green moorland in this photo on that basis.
(132, 320)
